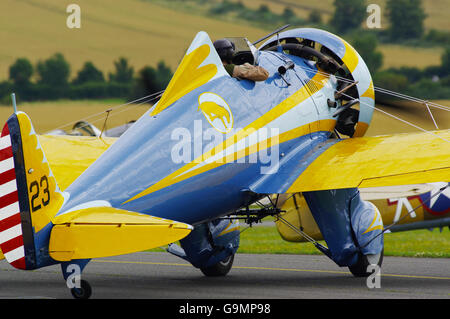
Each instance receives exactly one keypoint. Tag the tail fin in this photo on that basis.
(29, 195)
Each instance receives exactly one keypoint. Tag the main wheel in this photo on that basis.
(84, 292)
(220, 269)
(360, 268)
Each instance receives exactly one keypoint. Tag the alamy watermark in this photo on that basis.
(374, 279)
(74, 279)
(373, 21)
(73, 21)
(237, 146)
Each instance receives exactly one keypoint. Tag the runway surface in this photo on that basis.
(161, 275)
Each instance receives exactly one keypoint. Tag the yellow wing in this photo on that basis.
(69, 156)
(399, 159)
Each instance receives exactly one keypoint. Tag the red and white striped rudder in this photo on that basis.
(11, 235)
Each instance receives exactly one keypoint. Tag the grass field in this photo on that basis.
(437, 10)
(139, 30)
(395, 56)
(146, 32)
(416, 114)
(415, 243)
(47, 116)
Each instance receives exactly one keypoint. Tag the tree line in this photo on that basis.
(50, 80)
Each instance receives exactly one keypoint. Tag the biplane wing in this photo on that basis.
(69, 156)
(399, 159)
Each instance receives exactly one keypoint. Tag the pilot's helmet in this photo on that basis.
(225, 49)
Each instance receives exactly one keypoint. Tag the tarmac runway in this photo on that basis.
(163, 276)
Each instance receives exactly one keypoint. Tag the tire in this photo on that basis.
(220, 269)
(360, 268)
(84, 292)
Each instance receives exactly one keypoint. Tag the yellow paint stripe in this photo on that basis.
(350, 57)
(298, 97)
(360, 129)
(189, 76)
(226, 231)
(370, 92)
(376, 217)
(265, 268)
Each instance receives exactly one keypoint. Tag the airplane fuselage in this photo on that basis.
(156, 166)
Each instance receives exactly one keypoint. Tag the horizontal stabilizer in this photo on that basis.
(105, 231)
(69, 156)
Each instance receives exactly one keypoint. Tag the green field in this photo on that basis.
(47, 116)
(415, 243)
(437, 10)
(145, 31)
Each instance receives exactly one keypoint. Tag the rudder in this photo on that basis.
(29, 195)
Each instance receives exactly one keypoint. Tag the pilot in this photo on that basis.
(225, 49)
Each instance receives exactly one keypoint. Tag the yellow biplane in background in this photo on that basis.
(402, 208)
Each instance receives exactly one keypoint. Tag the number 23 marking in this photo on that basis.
(34, 187)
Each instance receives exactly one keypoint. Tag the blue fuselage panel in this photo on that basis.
(144, 155)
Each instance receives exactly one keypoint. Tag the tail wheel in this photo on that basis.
(84, 292)
(360, 268)
(220, 269)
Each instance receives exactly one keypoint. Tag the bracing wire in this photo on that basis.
(125, 106)
(427, 104)
(382, 90)
(129, 107)
(384, 112)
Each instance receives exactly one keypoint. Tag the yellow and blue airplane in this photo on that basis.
(211, 147)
